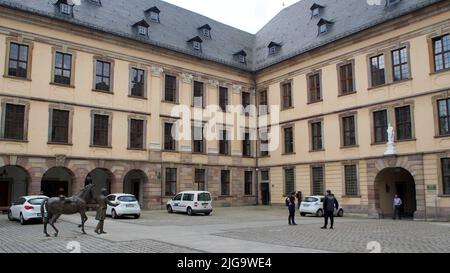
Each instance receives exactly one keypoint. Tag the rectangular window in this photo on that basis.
(316, 132)
(200, 179)
(346, 79)
(247, 145)
(60, 126)
(264, 142)
(63, 68)
(351, 180)
(263, 108)
(380, 122)
(65, 9)
(198, 139)
(169, 141)
(103, 76)
(137, 82)
(199, 94)
(248, 183)
(224, 143)
(444, 117)
(142, 30)
(171, 182)
(245, 101)
(441, 48)
(101, 130)
(286, 95)
(223, 98)
(400, 65)
(289, 181)
(403, 123)
(170, 88)
(18, 60)
(349, 131)
(225, 182)
(288, 140)
(136, 134)
(14, 127)
(446, 175)
(315, 93)
(377, 70)
(317, 180)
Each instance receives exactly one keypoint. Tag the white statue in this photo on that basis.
(390, 149)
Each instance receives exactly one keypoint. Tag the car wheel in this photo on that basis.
(303, 214)
(137, 216)
(10, 217)
(319, 213)
(207, 213)
(22, 220)
(340, 213)
(114, 214)
(169, 209)
(189, 211)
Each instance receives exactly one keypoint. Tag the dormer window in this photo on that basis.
(391, 2)
(97, 2)
(196, 43)
(153, 14)
(65, 7)
(142, 28)
(323, 29)
(316, 10)
(241, 56)
(205, 31)
(324, 26)
(274, 48)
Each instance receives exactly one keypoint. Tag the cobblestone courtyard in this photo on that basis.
(244, 230)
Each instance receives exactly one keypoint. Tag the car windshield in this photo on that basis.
(310, 199)
(127, 199)
(202, 197)
(36, 201)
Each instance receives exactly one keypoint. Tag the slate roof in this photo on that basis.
(293, 27)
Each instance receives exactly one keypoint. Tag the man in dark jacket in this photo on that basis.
(329, 204)
(290, 202)
(299, 198)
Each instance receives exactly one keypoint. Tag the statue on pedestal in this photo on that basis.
(390, 149)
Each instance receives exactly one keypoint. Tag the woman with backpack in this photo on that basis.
(290, 203)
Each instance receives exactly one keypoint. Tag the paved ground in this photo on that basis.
(242, 230)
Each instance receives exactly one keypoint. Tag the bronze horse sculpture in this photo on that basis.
(53, 208)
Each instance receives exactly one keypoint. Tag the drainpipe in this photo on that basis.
(257, 140)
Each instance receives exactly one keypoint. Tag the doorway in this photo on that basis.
(265, 194)
(4, 193)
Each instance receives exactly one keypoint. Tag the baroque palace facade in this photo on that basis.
(88, 88)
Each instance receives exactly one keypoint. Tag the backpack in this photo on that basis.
(288, 202)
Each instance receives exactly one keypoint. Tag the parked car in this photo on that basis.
(127, 205)
(191, 202)
(26, 208)
(314, 205)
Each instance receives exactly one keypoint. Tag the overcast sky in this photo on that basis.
(248, 15)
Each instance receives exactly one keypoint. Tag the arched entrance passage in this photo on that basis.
(13, 183)
(391, 181)
(133, 183)
(102, 178)
(57, 181)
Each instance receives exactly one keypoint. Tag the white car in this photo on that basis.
(127, 205)
(314, 205)
(26, 208)
(191, 202)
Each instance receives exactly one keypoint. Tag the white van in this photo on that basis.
(191, 202)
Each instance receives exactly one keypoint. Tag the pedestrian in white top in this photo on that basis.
(397, 203)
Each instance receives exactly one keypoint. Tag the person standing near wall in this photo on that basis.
(329, 204)
(397, 205)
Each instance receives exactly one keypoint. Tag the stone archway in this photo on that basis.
(13, 183)
(102, 178)
(412, 165)
(57, 181)
(134, 182)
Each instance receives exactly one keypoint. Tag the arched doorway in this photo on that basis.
(57, 181)
(13, 183)
(391, 181)
(133, 183)
(102, 178)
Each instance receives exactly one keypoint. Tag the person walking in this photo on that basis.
(299, 198)
(329, 204)
(397, 205)
(100, 216)
(290, 203)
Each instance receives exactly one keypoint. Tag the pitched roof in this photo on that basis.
(293, 27)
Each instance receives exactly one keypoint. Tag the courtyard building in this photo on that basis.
(88, 90)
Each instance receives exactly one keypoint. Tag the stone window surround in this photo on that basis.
(251, 133)
(163, 190)
(230, 182)
(111, 73)
(282, 106)
(267, 129)
(392, 120)
(26, 121)
(388, 62)
(349, 163)
(144, 133)
(310, 135)
(284, 178)
(308, 83)
(286, 126)
(229, 130)
(65, 50)
(341, 128)
(200, 167)
(229, 96)
(252, 184)
(266, 89)
(50, 121)
(110, 121)
(146, 78)
(205, 93)
(440, 186)
(434, 100)
(252, 101)
(177, 87)
(438, 33)
(195, 123)
(338, 69)
(20, 40)
(165, 120)
(311, 176)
